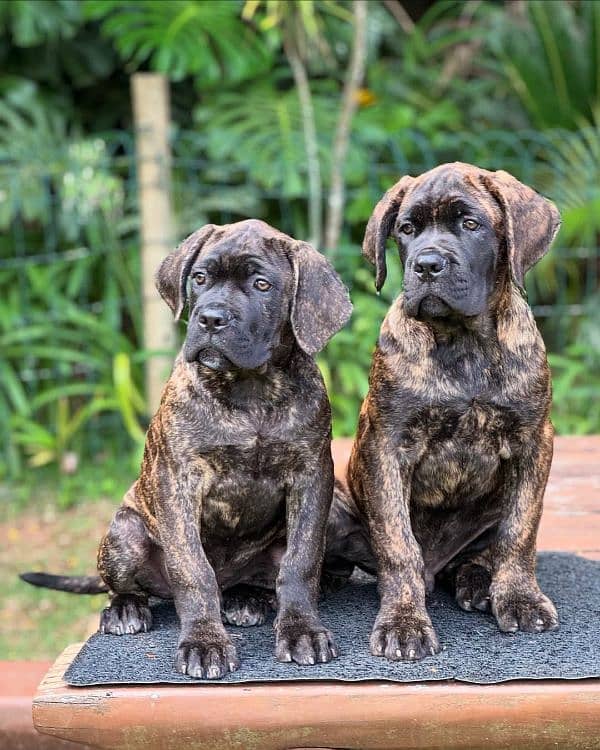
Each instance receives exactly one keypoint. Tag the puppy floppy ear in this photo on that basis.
(380, 225)
(531, 222)
(321, 303)
(172, 275)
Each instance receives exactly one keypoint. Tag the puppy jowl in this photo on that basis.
(454, 443)
(228, 514)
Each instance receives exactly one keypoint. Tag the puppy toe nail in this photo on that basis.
(398, 653)
(412, 653)
(432, 651)
(539, 621)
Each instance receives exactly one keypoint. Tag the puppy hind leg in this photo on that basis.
(347, 542)
(469, 578)
(126, 614)
(129, 563)
(245, 605)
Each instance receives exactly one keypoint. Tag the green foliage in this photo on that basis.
(435, 72)
(32, 23)
(574, 169)
(569, 169)
(576, 378)
(203, 38)
(550, 57)
(92, 363)
(63, 210)
(305, 24)
(260, 131)
(346, 360)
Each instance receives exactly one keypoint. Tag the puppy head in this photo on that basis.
(248, 285)
(455, 226)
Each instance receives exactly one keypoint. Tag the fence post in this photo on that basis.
(150, 95)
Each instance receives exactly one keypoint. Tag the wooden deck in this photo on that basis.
(533, 715)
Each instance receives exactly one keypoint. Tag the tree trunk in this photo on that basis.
(150, 92)
(315, 187)
(342, 134)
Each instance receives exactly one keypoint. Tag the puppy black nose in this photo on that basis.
(429, 264)
(213, 320)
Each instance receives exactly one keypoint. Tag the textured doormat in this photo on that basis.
(474, 650)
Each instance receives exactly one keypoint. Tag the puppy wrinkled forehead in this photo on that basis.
(452, 184)
(251, 239)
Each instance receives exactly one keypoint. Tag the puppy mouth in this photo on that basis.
(432, 306)
(426, 306)
(215, 358)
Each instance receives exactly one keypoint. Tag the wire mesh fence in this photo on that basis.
(71, 316)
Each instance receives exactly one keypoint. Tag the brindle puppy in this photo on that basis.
(454, 441)
(237, 476)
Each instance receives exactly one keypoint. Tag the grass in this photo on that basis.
(54, 524)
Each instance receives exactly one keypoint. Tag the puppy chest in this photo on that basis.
(246, 494)
(257, 461)
(243, 509)
(465, 453)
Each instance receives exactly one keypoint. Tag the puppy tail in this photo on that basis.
(72, 584)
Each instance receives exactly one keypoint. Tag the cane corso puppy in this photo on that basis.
(237, 477)
(454, 442)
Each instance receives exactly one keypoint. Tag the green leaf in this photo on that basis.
(203, 38)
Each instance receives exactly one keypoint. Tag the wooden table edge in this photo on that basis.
(324, 713)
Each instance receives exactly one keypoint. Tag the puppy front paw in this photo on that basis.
(404, 636)
(528, 610)
(206, 655)
(126, 614)
(304, 642)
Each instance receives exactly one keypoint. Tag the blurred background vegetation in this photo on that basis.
(300, 113)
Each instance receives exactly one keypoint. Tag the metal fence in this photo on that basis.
(70, 276)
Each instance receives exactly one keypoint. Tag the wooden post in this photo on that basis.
(150, 95)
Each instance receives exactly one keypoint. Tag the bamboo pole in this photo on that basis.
(150, 94)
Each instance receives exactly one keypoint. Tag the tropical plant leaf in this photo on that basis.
(261, 131)
(203, 38)
(30, 23)
(550, 57)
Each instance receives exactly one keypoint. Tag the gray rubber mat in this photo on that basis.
(474, 650)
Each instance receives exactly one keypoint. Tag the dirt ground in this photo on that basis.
(37, 623)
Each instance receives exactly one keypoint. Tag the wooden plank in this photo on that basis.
(277, 716)
(18, 683)
(571, 518)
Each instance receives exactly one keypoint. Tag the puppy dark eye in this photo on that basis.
(262, 285)
(470, 224)
(199, 277)
(407, 228)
